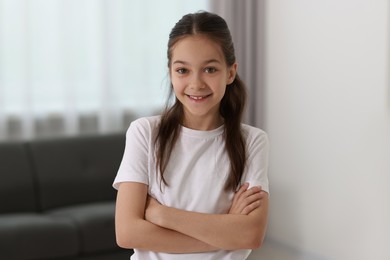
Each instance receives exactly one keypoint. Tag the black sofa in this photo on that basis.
(56, 198)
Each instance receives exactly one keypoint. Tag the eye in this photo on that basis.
(210, 70)
(181, 70)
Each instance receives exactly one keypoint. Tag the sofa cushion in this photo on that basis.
(95, 223)
(77, 170)
(33, 236)
(16, 180)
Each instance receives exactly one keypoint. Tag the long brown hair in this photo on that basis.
(231, 107)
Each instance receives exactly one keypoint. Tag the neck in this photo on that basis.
(203, 124)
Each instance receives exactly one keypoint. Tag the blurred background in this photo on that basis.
(71, 67)
(319, 82)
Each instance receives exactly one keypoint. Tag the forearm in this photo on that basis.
(133, 231)
(226, 231)
(144, 235)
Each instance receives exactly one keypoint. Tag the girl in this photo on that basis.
(193, 182)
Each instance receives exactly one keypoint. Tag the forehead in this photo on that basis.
(197, 49)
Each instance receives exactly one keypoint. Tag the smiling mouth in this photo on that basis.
(198, 97)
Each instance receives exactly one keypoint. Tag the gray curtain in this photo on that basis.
(247, 23)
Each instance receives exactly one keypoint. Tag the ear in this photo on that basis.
(232, 71)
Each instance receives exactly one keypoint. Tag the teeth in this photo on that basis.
(197, 97)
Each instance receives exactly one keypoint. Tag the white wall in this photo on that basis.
(328, 119)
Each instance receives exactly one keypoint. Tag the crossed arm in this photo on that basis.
(177, 231)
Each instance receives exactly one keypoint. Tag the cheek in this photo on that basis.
(222, 89)
(178, 83)
(177, 86)
(220, 84)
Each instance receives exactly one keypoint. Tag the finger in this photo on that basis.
(235, 207)
(246, 200)
(256, 188)
(241, 190)
(249, 192)
(251, 207)
(252, 198)
(245, 197)
(263, 194)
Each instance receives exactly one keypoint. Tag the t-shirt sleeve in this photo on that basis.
(256, 172)
(134, 165)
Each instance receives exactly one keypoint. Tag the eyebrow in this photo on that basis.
(206, 62)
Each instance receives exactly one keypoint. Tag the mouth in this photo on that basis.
(198, 98)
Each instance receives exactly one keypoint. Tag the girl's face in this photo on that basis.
(199, 75)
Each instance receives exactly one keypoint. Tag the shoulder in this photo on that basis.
(151, 122)
(145, 126)
(254, 135)
(253, 132)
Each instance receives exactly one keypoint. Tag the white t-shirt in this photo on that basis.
(196, 174)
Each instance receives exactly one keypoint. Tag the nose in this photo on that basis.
(197, 81)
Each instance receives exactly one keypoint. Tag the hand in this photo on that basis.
(152, 208)
(246, 200)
